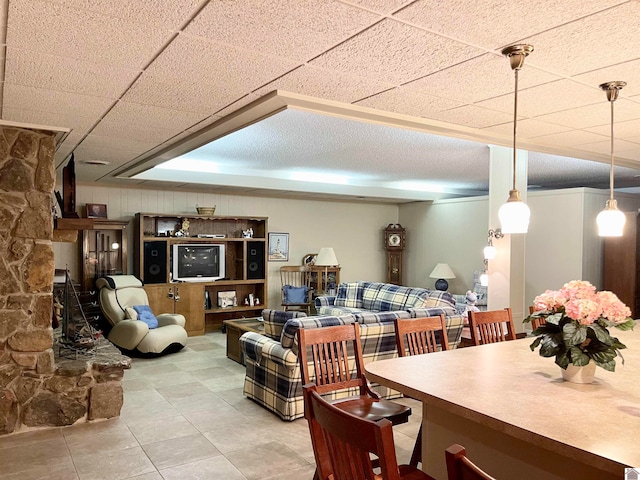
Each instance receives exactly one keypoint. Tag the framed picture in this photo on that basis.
(96, 210)
(227, 299)
(309, 259)
(278, 247)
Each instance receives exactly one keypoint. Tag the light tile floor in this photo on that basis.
(184, 417)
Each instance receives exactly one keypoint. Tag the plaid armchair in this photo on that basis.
(273, 376)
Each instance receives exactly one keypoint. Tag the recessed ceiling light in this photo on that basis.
(95, 162)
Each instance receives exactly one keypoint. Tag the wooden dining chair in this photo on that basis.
(417, 336)
(328, 348)
(535, 322)
(343, 443)
(459, 467)
(489, 327)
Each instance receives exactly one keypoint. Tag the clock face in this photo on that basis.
(394, 240)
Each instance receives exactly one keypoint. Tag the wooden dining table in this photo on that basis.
(517, 417)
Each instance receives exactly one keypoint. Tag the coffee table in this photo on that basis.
(235, 328)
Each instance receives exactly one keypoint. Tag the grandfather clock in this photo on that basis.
(394, 243)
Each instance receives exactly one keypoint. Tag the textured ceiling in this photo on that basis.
(133, 79)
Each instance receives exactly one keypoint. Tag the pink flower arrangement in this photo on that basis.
(576, 319)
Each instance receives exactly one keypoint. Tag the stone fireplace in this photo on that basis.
(37, 388)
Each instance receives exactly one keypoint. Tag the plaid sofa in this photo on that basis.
(273, 376)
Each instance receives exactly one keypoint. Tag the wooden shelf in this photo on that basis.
(74, 223)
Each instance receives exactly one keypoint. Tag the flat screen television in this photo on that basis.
(197, 262)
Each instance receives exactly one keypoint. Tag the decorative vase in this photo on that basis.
(575, 374)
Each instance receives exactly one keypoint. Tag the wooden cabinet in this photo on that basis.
(245, 264)
(621, 258)
(104, 251)
(324, 278)
(184, 298)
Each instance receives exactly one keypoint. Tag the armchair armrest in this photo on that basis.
(171, 319)
(128, 333)
(325, 301)
(258, 347)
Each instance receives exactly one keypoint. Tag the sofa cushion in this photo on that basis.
(295, 294)
(288, 338)
(274, 321)
(146, 315)
(334, 311)
(367, 317)
(385, 297)
(436, 298)
(349, 295)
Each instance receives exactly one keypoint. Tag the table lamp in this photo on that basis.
(441, 272)
(326, 258)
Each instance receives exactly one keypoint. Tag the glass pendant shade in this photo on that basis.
(611, 220)
(484, 279)
(514, 215)
(489, 252)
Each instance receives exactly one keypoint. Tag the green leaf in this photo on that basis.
(602, 334)
(562, 360)
(578, 357)
(535, 343)
(628, 325)
(574, 334)
(555, 318)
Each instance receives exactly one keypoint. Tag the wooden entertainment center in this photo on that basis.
(245, 266)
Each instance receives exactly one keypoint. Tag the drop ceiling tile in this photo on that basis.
(82, 34)
(570, 138)
(471, 116)
(594, 115)
(396, 53)
(91, 173)
(478, 79)
(129, 131)
(152, 117)
(181, 94)
(159, 13)
(528, 128)
(122, 150)
(408, 102)
(606, 38)
(65, 74)
(381, 6)
(76, 124)
(327, 84)
(235, 105)
(38, 99)
(197, 59)
(628, 72)
(543, 99)
(495, 23)
(604, 147)
(295, 29)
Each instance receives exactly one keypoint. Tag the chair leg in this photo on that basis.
(416, 455)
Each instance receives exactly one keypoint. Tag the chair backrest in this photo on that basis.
(118, 292)
(415, 336)
(489, 327)
(535, 322)
(343, 442)
(329, 349)
(459, 467)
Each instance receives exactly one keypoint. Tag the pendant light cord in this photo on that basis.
(611, 171)
(515, 125)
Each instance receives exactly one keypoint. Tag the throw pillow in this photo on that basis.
(295, 294)
(130, 313)
(146, 315)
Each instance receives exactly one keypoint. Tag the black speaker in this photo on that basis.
(255, 260)
(155, 262)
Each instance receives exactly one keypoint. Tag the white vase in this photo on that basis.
(575, 374)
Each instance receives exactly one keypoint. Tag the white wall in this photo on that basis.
(353, 229)
(446, 231)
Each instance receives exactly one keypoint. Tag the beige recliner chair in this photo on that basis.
(119, 294)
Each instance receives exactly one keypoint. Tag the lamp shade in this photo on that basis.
(489, 252)
(442, 270)
(514, 217)
(326, 258)
(611, 221)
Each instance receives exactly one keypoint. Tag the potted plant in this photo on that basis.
(574, 323)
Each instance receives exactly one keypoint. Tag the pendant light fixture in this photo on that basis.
(611, 220)
(514, 215)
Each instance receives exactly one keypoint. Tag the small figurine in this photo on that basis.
(470, 299)
(248, 233)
